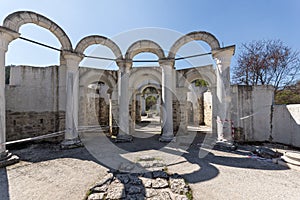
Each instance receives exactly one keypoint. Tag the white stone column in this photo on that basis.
(72, 95)
(6, 37)
(223, 58)
(168, 87)
(124, 69)
(158, 102)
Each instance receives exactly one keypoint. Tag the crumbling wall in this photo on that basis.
(33, 102)
(254, 115)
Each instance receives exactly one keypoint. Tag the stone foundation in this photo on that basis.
(20, 125)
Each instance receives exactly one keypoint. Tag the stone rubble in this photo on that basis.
(156, 185)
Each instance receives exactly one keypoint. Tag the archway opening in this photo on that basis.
(36, 72)
(148, 112)
(96, 105)
(199, 106)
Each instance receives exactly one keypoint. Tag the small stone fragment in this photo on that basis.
(150, 193)
(160, 183)
(116, 190)
(96, 196)
(147, 182)
(178, 186)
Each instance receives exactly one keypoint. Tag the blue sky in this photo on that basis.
(232, 22)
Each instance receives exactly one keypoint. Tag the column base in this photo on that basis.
(123, 138)
(7, 158)
(167, 139)
(71, 143)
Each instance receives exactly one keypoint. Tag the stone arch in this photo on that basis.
(15, 20)
(143, 87)
(93, 75)
(206, 73)
(137, 73)
(144, 46)
(210, 39)
(97, 39)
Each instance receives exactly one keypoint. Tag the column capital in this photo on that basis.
(72, 60)
(76, 57)
(124, 65)
(6, 36)
(167, 62)
(223, 55)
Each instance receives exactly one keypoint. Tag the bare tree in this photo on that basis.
(266, 62)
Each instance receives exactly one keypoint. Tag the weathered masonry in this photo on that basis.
(71, 83)
(36, 101)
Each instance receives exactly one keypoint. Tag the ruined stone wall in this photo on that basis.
(286, 124)
(33, 102)
(251, 111)
(207, 106)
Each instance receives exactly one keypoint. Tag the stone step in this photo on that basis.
(293, 156)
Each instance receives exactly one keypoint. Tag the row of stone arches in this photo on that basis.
(70, 59)
(14, 21)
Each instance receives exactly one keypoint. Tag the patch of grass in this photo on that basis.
(189, 194)
(88, 193)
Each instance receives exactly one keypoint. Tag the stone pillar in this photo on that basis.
(168, 86)
(124, 69)
(72, 95)
(214, 112)
(223, 58)
(133, 110)
(110, 115)
(158, 102)
(138, 108)
(143, 105)
(182, 97)
(6, 37)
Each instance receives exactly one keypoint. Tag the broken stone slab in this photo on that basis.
(147, 182)
(160, 183)
(149, 192)
(105, 180)
(7, 158)
(265, 152)
(96, 196)
(116, 190)
(165, 195)
(178, 186)
(295, 156)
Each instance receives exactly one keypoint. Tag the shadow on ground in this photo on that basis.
(206, 166)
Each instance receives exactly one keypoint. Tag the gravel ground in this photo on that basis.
(46, 172)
